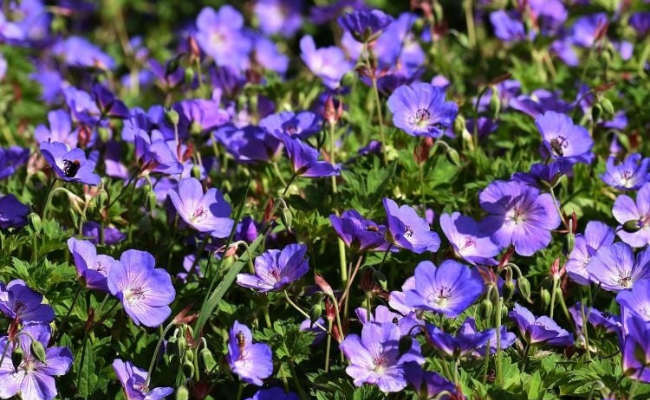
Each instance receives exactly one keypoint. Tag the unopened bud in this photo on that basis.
(152, 199)
(508, 289)
(487, 309)
(405, 344)
(286, 217)
(524, 288)
(182, 393)
(38, 350)
(607, 105)
(17, 357)
(188, 369)
(349, 78)
(207, 359)
(172, 116)
(189, 76)
(35, 222)
(104, 134)
(323, 285)
(632, 226)
(546, 297)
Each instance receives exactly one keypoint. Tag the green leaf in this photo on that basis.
(87, 376)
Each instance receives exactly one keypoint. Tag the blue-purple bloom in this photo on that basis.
(108, 104)
(636, 350)
(409, 324)
(467, 241)
(463, 344)
(220, 35)
(60, 129)
(358, 233)
(77, 51)
(614, 267)
(597, 235)
(544, 176)
(274, 393)
(304, 160)
(206, 212)
(91, 267)
(428, 384)
(635, 302)
(539, 330)
(248, 145)
(508, 26)
(70, 165)
(408, 230)
(298, 125)
(13, 213)
(279, 16)
(365, 26)
(328, 63)
(449, 289)
(375, 356)
(539, 102)
(640, 21)
(144, 290)
(275, 269)
(611, 323)
(630, 174)
(22, 304)
(519, 216)
(564, 140)
(420, 109)
(91, 230)
(634, 217)
(469, 328)
(588, 29)
(11, 158)
(253, 362)
(134, 379)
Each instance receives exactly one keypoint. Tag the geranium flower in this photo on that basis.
(634, 217)
(144, 290)
(408, 230)
(301, 125)
(92, 268)
(20, 303)
(70, 165)
(133, 380)
(466, 239)
(539, 330)
(465, 342)
(406, 323)
(508, 26)
(588, 29)
(328, 63)
(13, 213)
(220, 35)
(636, 301)
(11, 159)
(468, 328)
(544, 176)
(279, 16)
(253, 362)
(636, 350)
(630, 174)
(304, 159)
(275, 269)
(358, 233)
(614, 268)
(365, 26)
(564, 140)
(59, 130)
(275, 393)
(428, 384)
(597, 235)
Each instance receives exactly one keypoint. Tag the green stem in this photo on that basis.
(380, 114)
(67, 315)
(136, 173)
(327, 348)
(383, 260)
(422, 197)
(498, 338)
(553, 294)
(526, 352)
(292, 369)
(301, 311)
(240, 390)
(152, 364)
(83, 356)
(469, 19)
(559, 211)
(103, 318)
(278, 174)
(288, 184)
(48, 198)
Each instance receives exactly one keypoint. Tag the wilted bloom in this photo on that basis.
(253, 362)
(207, 212)
(13, 213)
(519, 215)
(427, 384)
(466, 239)
(33, 378)
(144, 290)
(449, 289)
(539, 329)
(305, 160)
(275, 269)
(275, 393)
(93, 268)
(632, 173)
(375, 356)
(597, 235)
(544, 176)
(301, 125)
(469, 328)
(634, 217)
(133, 380)
(70, 165)
(60, 129)
(364, 25)
(636, 350)
(358, 233)
(464, 343)
(614, 268)
(408, 230)
(221, 36)
(327, 63)
(420, 109)
(564, 140)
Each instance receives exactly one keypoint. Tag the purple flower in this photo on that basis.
(465, 342)
(539, 102)
(305, 160)
(640, 21)
(248, 145)
(449, 289)
(564, 140)
(469, 328)
(539, 330)
(33, 378)
(275, 393)
(202, 115)
(375, 357)
(519, 216)
(279, 16)
(508, 26)
(11, 158)
(632, 173)
(614, 268)
(408, 230)
(133, 380)
(13, 213)
(365, 26)
(588, 29)
(20, 303)
(550, 15)
(301, 125)
(91, 229)
(60, 129)
(611, 323)
(253, 362)
(407, 324)
(275, 269)
(207, 212)
(597, 235)
(308, 326)
(267, 55)
(144, 290)
(634, 217)
(220, 36)
(79, 52)
(636, 350)
(328, 63)
(468, 243)
(70, 165)
(420, 109)
(108, 104)
(427, 384)
(544, 176)
(358, 233)
(92, 268)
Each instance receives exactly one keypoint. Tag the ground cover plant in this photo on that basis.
(277, 199)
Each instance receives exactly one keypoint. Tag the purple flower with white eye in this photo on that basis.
(144, 290)
(11, 158)
(375, 356)
(640, 21)
(466, 239)
(449, 289)
(304, 159)
(274, 393)
(20, 303)
(253, 362)
(91, 229)
(134, 379)
(358, 233)
(588, 29)
(91, 267)
(408, 230)
(328, 63)
(634, 217)
(279, 16)
(428, 384)
(275, 269)
(220, 35)
(544, 176)
(519, 216)
(508, 26)
(597, 235)
(614, 267)
(463, 344)
(408, 324)
(206, 212)
(630, 174)
(564, 140)
(108, 104)
(298, 125)
(60, 129)
(636, 350)
(365, 26)
(76, 51)
(468, 329)
(70, 165)
(32, 378)
(539, 330)
(420, 109)
(13, 213)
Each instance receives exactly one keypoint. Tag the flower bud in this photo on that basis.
(487, 309)
(35, 222)
(405, 344)
(607, 105)
(188, 369)
(286, 217)
(104, 134)
(546, 297)
(508, 289)
(73, 216)
(17, 357)
(422, 150)
(632, 226)
(524, 288)
(182, 393)
(152, 199)
(38, 350)
(189, 76)
(172, 116)
(207, 359)
(349, 78)
(323, 285)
